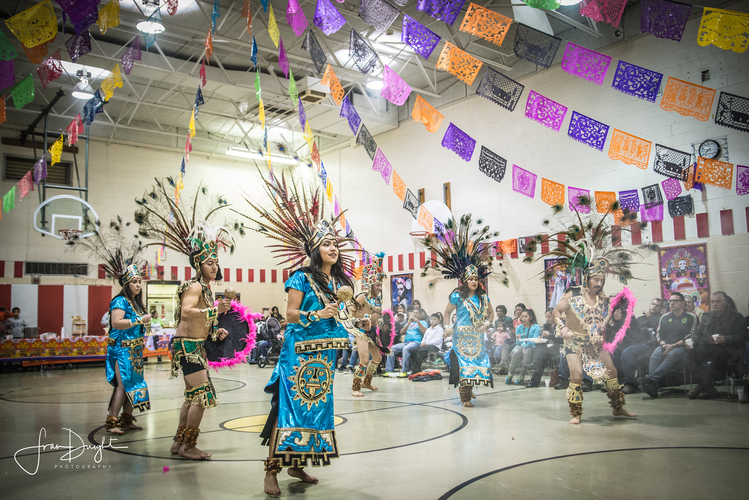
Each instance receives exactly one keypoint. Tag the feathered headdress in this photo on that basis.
(372, 272)
(297, 222)
(585, 240)
(119, 249)
(185, 229)
(463, 252)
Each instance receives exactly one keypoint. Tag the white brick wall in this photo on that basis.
(120, 173)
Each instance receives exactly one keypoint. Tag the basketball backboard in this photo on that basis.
(64, 212)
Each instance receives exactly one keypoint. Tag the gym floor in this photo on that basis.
(408, 440)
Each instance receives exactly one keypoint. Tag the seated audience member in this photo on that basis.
(432, 342)
(414, 331)
(692, 308)
(543, 353)
(499, 336)
(673, 329)
(345, 353)
(720, 337)
(650, 318)
(400, 320)
(15, 325)
(267, 331)
(501, 318)
(523, 351)
(564, 375)
(634, 351)
(518, 310)
(745, 398)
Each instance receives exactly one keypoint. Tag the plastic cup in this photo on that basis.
(715, 337)
(740, 392)
(689, 343)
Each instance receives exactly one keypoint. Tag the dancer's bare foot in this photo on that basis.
(370, 387)
(467, 404)
(174, 450)
(115, 430)
(132, 427)
(271, 485)
(193, 453)
(300, 474)
(575, 420)
(623, 413)
(357, 394)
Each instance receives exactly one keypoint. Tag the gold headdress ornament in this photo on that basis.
(185, 227)
(296, 221)
(585, 240)
(120, 251)
(372, 273)
(463, 252)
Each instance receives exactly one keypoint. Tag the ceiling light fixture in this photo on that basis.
(83, 89)
(255, 155)
(569, 2)
(152, 25)
(374, 85)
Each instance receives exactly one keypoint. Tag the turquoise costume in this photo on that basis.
(302, 383)
(469, 360)
(126, 351)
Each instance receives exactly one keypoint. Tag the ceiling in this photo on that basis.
(153, 107)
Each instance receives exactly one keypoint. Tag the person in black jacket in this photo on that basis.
(720, 337)
(543, 353)
(634, 351)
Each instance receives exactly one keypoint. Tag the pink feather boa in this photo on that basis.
(626, 293)
(393, 334)
(249, 317)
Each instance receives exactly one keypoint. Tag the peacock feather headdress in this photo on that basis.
(372, 273)
(584, 239)
(463, 251)
(296, 222)
(119, 249)
(185, 227)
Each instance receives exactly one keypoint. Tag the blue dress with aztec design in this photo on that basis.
(126, 351)
(469, 348)
(302, 384)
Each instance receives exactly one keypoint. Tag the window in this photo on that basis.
(15, 167)
(57, 268)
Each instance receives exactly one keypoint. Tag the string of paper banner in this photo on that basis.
(37, 26)
(660, 17)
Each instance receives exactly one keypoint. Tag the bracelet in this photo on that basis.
(312, 316)
(304, 315)
(211, 316)
(560, 324)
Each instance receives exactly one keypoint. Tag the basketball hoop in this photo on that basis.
(418, 239)
(69, 234)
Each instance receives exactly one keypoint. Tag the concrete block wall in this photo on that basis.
(121, 173)
(420, 160)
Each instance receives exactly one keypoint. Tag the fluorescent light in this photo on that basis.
(150, 27)
(374, 84)
(255, 155)
(96, 73)
(83, 90)
(569, 2)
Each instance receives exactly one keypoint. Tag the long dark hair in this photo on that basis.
(465, 291)
(136, 300)
(337, 271)
(532, 314)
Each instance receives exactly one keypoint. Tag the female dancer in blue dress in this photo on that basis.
(300, 425)
(465, 254)
(128, 318)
